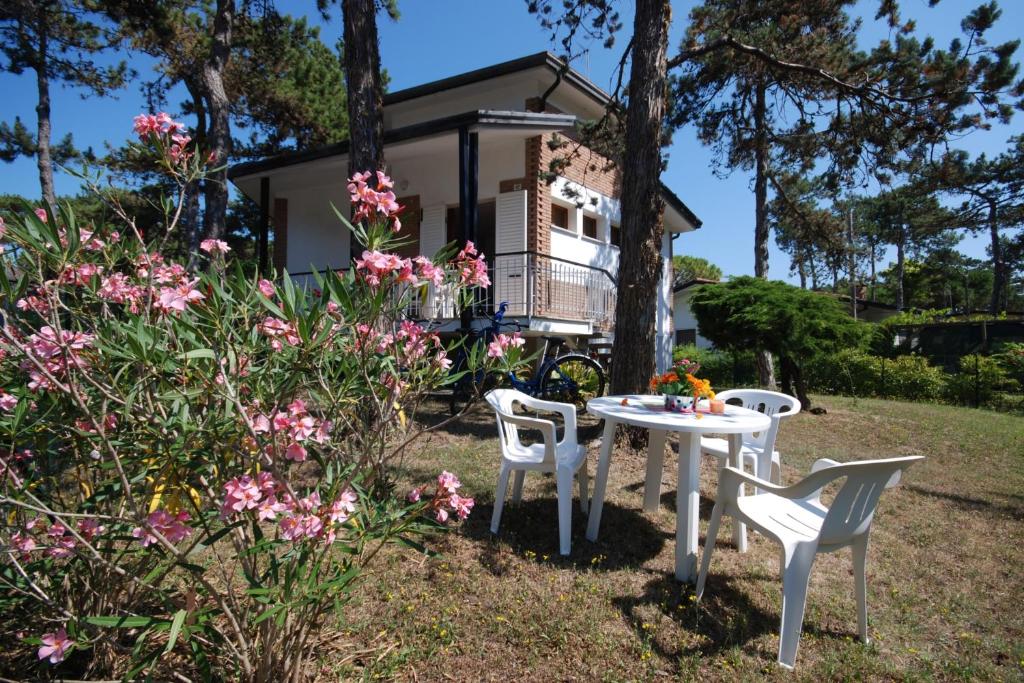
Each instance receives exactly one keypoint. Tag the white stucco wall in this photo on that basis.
(318, 240)
(683, 318)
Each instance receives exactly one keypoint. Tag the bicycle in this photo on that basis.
(567, 378)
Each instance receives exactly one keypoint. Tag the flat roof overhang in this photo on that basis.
(511, 123)
(292, 168)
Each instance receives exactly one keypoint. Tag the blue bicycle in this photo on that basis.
(564, 377)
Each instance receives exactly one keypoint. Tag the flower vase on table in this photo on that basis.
(677, 404)
(681, 389)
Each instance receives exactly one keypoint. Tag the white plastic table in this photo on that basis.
(648, 412)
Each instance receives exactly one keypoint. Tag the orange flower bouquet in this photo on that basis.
(679, 383)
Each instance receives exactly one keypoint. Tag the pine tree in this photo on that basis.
(59, 41)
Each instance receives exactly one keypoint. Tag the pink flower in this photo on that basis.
(90, 528)
(441, 515)
(3, 228)
(7, 401)
(178, 298)
(23, 542)
(277, 330)
(170, 526)
(344, 507)
(55, 646)
(414, 495)
(462, 506)
(426, 270)
(211, 246)
(241, 493)
(269, 507)
(295, 452)
(502, 342)
(448, 482)
(117, 288)
(267, 288)
(41, 214)
(472, 267)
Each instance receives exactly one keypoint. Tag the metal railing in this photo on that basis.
(533, 284)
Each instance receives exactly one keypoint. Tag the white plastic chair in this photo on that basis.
(565, 458)
(796, 519)
(758, 450)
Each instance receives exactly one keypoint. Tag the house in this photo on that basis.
(684, 324)
(468, 155)
(870, 310)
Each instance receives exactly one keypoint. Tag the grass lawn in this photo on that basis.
(945, 584)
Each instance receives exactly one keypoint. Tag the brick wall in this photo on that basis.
(586, 168)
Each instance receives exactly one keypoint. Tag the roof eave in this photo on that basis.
(474, 120)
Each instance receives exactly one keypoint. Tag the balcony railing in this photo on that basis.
(534, 285)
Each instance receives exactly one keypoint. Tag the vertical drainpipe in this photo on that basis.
(262, 248)
(469, 168)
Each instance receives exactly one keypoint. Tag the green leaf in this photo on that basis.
(179, 619)
(124, 622)
(198, 353)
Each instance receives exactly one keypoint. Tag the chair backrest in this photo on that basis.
(503, 402)
(771, 403)
(854, 505)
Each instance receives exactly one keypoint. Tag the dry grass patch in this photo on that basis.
(944, 579)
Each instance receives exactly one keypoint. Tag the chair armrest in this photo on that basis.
(545, 427)
(730, 479)
(566, 410)
(822, 463)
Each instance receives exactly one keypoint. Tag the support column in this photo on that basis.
(469, 166)
(264, 230)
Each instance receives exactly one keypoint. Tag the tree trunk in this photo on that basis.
(765, 370)
(791, 369)
(802, 271)
(814, 269)
(900, 265)
(218, 134)
(873, 276)
(640, 262)
(43, 160)
(362, 80)
(190, 220)
(998, 302)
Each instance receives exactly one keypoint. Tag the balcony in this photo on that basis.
(536, 286)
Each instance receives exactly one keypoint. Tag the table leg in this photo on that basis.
(655, 464)
(739, 529)
(601, 480)
(687, 506)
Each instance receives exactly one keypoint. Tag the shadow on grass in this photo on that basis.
(627, 539)
(726, 617)
(969, 503)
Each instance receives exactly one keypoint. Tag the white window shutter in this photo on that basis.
(432, 230)
(509, 273)
(438, 303)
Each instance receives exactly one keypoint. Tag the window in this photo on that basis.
(686, 337)
(590, 227)
(614, 234)
(559, 217)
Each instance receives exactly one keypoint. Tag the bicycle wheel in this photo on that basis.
(575, 379)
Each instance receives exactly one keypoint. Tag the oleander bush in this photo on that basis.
(197, 466)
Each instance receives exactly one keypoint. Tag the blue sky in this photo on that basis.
(438, 38)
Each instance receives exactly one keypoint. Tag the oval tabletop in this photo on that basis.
(649, 412)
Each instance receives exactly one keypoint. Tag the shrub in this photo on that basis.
(977, 381)
(854, 373)
(909, 378)
(1011, 358)
(723, 369)
(197, 465)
